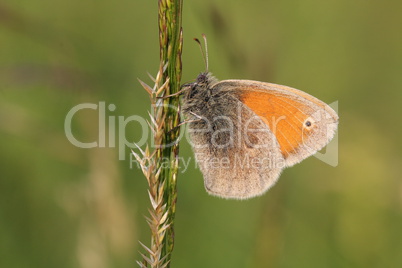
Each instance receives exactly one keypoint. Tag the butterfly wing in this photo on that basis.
(244, 133)
(301, 123)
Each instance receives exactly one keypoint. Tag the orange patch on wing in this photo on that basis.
(284, 116)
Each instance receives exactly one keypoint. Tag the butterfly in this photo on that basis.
(244, 132)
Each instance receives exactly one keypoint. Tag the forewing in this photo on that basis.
(301, 123)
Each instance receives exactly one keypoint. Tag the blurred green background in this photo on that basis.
(63, 206)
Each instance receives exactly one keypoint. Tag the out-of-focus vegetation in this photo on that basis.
(64, 206)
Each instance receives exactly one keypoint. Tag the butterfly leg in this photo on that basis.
(172, 95)
(187, 122)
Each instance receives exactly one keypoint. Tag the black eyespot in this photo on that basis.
(308, 123)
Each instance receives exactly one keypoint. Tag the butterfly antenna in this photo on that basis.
(204, 54)
(206, 51)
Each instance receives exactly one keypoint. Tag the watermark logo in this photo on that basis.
(329, 155)
(112, 134)
(113, 127)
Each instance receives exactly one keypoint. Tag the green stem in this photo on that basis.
(170, 38)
